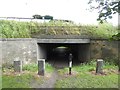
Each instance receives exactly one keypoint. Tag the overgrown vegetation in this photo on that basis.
(26, 79)
(83, 76)
(30, 67)
(34, 67)
(16, 29)
(20, 81)
(106, 10)
(85, 80)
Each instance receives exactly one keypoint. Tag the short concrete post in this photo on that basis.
(99, 66)
(17, 65)
(41, 67)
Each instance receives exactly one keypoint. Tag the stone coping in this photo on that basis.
(17, 39)
(63, 40)
(35, 39)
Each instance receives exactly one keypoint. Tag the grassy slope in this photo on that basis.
(14, 29)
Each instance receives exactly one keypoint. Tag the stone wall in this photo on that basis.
(104, 49)
(84, 52)
(26, 50)
(22, 49)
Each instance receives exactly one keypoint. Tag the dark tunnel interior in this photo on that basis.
(57, 54)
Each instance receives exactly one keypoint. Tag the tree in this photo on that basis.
(36, 16)
(106, 9)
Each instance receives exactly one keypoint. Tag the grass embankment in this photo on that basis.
(84, 76)
(26, 79)
(15, 29)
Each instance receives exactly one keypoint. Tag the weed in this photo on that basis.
(30, 67)
(49, 68)
(34, 67)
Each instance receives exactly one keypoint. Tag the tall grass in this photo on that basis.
(15, 29)
(105, 30)
(34, 67)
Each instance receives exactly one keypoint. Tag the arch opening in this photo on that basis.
(57, 54)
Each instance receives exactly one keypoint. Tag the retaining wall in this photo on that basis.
(105, 49)
(26, 50)
(22, 49)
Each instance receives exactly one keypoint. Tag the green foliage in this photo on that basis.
(34, 67)
(22, 81)
(116, 37)
(90, 66)
(6, 65)
(86, 79)
(105, 30)
(49, 68)
(112, 61)
(82, 79)
(25, 79)
(30, 67)
(106, 8)
(14, 29)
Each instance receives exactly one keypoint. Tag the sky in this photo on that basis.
(74, 10)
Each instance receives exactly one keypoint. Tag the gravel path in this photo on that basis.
(50, 82)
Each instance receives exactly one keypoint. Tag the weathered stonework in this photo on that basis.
(24, 49)
(27, 49)
(104, 49)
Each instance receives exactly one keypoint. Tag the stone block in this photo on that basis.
(41, 67)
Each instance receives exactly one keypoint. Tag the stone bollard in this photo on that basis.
(17, 66)
(99, 66)
(41, 67)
